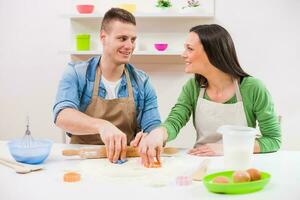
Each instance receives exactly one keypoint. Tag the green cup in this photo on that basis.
(83, 42)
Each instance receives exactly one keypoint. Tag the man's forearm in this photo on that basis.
(78, 123)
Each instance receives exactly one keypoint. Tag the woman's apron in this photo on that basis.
(209, 116)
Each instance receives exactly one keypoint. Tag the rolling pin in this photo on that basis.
(100, 152)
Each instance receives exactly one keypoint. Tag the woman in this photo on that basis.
(220, 93)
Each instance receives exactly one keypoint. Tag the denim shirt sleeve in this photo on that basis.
(72, 93)
(68, 92)
(150, 118)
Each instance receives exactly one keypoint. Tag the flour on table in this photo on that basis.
(133, 172)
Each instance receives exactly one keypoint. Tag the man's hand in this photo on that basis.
(151, 145)
(139, 136)
(115, 141)
(210, 149)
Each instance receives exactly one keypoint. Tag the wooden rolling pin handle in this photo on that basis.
(100, 152)
(71, 152)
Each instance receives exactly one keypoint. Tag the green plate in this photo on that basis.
(235, 188)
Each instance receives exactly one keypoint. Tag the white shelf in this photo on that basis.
(135, 53)
(148, 57)
(154, 26)
(142, 15)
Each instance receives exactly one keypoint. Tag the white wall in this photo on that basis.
(266, 35)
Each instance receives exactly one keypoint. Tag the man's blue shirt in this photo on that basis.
(76, 88)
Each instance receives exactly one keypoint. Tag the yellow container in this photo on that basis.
(83, 42)
(130, 7)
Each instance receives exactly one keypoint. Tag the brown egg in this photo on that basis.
(254, 174)
(221, 179)
(240, 177)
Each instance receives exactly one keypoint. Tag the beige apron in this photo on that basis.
(120, 112)
(209, 116)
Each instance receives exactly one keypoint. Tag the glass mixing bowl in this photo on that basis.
(36, 153)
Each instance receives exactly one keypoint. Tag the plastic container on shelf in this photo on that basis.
(130, 7)
(83, 42)
(85, 9)
(161, 46)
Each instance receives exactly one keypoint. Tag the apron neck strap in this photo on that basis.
(202, 91)
(97, 81)
(129, 86)
(237, 91)
(98, 77)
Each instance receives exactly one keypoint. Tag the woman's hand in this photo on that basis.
(210, 149)
(151, 145)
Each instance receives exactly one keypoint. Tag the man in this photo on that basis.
(106, 100)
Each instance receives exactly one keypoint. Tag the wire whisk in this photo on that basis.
(27, 138)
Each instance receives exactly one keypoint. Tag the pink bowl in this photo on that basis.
(160, 46)
(85, 9)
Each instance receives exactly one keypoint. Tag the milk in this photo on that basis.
(238, 145)
(237, 159)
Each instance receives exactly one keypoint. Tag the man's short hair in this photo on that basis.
(117, 14)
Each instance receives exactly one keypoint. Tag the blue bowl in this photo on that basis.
(35, 154)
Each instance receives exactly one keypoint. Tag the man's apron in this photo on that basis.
(120, 112)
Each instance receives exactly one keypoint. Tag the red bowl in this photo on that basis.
(85, 9)
(161, 46)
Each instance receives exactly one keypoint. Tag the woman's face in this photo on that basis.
(195, 58)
